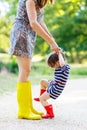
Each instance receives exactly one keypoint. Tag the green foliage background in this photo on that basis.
(66, 20)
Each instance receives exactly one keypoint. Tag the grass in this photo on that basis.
(8, 82)
(39, 71)
(78, 71)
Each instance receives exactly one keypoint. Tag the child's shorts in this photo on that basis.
(22, 40)
(55, 90)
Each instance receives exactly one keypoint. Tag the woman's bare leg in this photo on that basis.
(24, 65)
(24, 91)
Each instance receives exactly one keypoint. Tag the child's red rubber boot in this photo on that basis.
(49, 112)
(41, 92)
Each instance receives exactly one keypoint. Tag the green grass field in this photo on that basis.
(39, 70)
(8, 81)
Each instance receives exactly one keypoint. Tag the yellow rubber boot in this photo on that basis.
(24, 102)
(32, 108)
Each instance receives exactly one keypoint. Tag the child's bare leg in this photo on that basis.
(43, 99)
(43, 85)
(48, 107)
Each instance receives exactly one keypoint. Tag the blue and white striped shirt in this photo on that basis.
(60, 78)
(61, 74)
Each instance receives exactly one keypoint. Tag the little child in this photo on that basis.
(53, 89)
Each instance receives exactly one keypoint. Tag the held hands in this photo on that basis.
(57, 49)
(54, 47)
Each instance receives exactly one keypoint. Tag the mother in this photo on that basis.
(29, 21)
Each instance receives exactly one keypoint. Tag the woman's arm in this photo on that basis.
(32, 15)
(42, 23)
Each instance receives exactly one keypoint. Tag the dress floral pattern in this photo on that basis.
(23, 37)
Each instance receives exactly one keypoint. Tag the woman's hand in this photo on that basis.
(54, 47)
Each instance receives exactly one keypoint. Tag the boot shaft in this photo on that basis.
(49, 112)
(42, 91)
(24, 99)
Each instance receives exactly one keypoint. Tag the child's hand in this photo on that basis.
(61, 60)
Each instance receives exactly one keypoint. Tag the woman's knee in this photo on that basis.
(25, 71)
(23, 74)
(24, 65)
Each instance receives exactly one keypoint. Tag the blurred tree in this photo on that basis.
(67, 22)
(71, 31)
(5, 26)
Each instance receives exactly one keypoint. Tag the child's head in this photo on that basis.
(53, 60)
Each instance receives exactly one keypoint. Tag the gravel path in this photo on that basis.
(70, 110)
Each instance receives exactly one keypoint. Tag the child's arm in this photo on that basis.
(61, 60)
